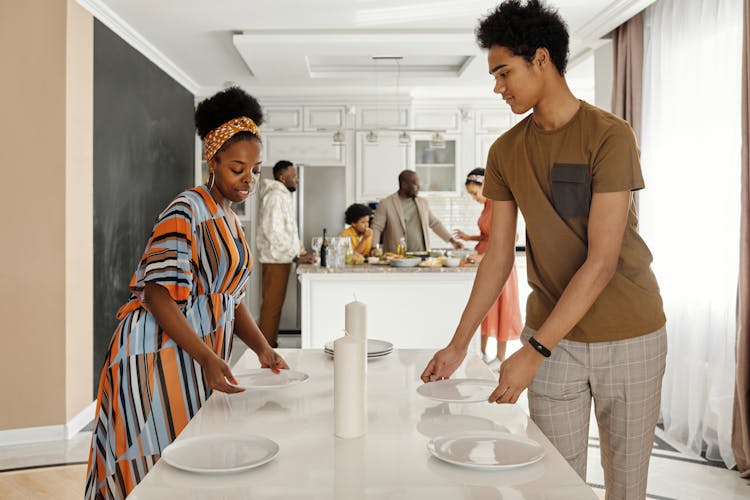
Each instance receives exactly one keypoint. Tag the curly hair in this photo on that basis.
(524, 28)
(223, 106)
(356, 212)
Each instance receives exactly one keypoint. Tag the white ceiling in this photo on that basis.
(314, 47)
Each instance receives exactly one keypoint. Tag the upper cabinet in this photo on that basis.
(282, 118)
(377, 117)
(435, 163)
(324, 118)
(307, 149)
(490, 121)
(448, 119)
(378, 165)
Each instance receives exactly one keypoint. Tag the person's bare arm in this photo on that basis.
(491, 276)
(158, 301)
(608, 218)
(247, 330)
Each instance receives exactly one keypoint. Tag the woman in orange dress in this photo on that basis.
(503, 321)
(171, 347)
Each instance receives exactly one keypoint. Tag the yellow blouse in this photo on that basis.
(352, 233)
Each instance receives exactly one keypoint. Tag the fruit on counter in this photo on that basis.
(357, 259)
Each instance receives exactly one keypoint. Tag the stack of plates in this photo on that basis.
(375, 348)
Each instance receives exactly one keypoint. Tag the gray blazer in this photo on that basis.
(389, 221)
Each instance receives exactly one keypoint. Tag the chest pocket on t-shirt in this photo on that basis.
(571, 190)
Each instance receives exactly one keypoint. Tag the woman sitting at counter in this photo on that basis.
(358, 218)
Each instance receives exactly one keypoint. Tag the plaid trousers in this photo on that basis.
(624, 379)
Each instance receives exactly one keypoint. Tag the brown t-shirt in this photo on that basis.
(551, 175)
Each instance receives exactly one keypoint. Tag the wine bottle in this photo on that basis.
(324, 250)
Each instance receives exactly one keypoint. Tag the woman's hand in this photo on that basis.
(217, 372)
(474, 258)
(443, 364)
(457, 233)
(271, 359)
(516, 373)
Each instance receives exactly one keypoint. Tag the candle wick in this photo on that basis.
(345, 332)
(355, 296)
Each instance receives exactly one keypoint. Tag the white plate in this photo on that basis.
(265, 378)
(219, 453)
(374, 347)
(406, 262)
(458, 390)
(486, 449)
(369, 356)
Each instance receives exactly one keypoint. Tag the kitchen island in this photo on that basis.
(410, 307)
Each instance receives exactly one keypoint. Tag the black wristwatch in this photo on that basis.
(539, 347)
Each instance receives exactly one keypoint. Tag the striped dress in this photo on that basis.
(149, 387)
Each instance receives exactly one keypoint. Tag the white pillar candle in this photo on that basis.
(349, 387)
(355, 321)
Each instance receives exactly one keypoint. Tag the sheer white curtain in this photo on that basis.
(690, 207)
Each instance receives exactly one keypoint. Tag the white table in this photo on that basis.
(390, 462)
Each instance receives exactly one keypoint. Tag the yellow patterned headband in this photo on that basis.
(215, 139)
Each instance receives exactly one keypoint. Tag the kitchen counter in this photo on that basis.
(382, 268)
(411, 307)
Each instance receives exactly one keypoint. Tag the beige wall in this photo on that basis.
(45, 276)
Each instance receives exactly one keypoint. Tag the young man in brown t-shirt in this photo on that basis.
(594, 320)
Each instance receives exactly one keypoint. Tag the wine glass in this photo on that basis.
(315, 243)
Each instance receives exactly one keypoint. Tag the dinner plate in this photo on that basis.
(486, 449)
(265, 378)
(458, 390)
(220, 453)
(374, 347)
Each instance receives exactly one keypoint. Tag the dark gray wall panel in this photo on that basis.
(144, 155)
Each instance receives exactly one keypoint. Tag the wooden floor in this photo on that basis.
(59, 483)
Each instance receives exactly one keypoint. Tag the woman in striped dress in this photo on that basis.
(170, 349)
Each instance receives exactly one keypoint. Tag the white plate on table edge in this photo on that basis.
(374, 347)
(528, 450)
(179, 452)
(265, 378)
(432, 390)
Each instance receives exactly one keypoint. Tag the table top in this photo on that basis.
(391, 461)
(305, 269)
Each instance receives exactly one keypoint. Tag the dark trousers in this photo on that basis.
(274, 278)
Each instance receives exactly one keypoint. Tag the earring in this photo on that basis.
(211, 180)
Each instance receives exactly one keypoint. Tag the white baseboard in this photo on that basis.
(80, 421)
(30, 435)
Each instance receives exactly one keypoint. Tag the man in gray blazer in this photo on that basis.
(404, 215)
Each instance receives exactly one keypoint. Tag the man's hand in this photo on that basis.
(307, 258)
(456, 244)
(443, 364)
(516, 373)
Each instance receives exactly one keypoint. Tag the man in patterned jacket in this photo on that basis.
(278, 245)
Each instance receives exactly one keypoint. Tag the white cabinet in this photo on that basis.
(282, 118)
(378, 165)
(484, 143)
(493, 120)
(324, 118)
(308, 149)
(448, 119)
(436, 166)
(376, 117)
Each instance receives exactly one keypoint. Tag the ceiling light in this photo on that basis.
(437, 141)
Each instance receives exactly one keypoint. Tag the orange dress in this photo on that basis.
(503, 321)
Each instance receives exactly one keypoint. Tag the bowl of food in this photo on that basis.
(405, 262)
(451, 261)
(373, 260)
